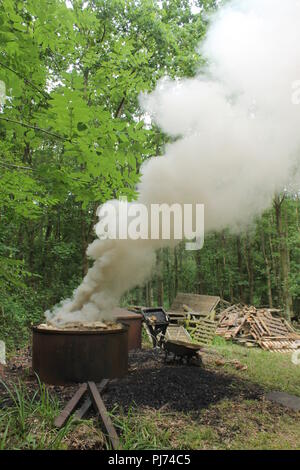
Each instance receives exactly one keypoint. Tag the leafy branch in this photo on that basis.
(35, 128)
(26, 81)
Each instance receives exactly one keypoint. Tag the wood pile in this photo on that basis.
(196, 317)
(258, 327)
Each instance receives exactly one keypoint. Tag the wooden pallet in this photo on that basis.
(204, 331)
(282, 345)
(268, 331)
(177, 333)
(195, 302)
(177, 318)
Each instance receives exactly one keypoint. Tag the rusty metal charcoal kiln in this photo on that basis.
(62, 356)
(134, 323)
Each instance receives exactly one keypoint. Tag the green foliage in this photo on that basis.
(269, 371)
(72, 134)
(27, 422)
(17, 313)
(142, 432)
(244, 267)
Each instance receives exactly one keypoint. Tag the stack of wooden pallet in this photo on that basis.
(196, 314)
(259, 327)
(231, 320)
(201, 330)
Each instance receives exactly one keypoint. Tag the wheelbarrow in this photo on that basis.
(181, 350)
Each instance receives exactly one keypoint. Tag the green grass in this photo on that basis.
(141, 431)
(242, 426)
(198, 437)
(26, 423)
(272, 371)
(147, 343)
(228, 424)
(223, 426)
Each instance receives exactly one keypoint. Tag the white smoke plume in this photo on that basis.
(238, 142)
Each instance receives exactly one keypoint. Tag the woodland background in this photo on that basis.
(72, 136)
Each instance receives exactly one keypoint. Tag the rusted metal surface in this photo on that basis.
(70, 407)
(155, 315)
(100, 407)
(134, 323)
(63, 356)
(181, 348)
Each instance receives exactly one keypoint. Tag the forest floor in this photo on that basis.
(158, 405)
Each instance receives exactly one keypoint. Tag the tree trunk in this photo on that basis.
(219, 282)
(146, 288)
(249, 266)
(148, 294)
(84, 244)
(30, 231)
(284, 258)
(268, 269)
(169, 276)
(45, 271)
(138, 296)
(226, 268)
(240, 268)
(297, 212)
(86, 234)
(286, 235)
(159, 278)
(219, 270)
(176, 269)
(199, 273)
(274, 263)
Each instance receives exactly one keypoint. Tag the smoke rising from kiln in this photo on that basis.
(238, 142)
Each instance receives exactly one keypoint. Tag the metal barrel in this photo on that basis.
(62, 356)
(134, 323)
